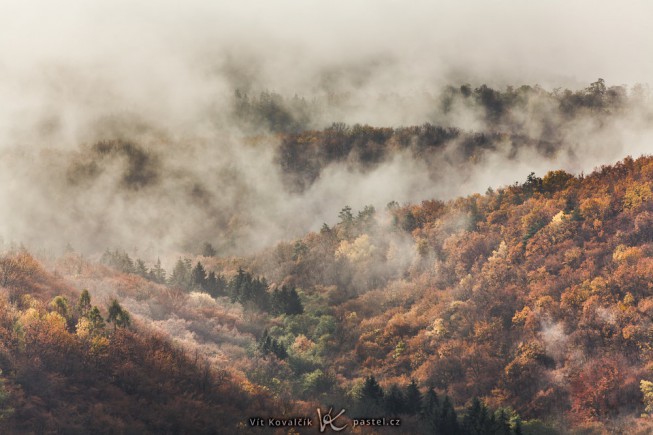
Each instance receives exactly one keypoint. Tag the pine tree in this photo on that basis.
(431, 406)
(126, 264)
(140, 268)
(501, 424)
(61, 306)
(413, 398)
(212, 284)
(96, 320)
(476, 420)
(84, 303)
(157, 273)
(208, 250)
(394, 401)
(448, 422)
(286, 301)
(118, 316)
(198, 277)
(371, 395)
(267, 345)
(294, 303)
(181, 274)
(237, 284)
(258, 293)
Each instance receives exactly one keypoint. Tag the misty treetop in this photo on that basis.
(270, 111)
(217, 187)
(525, 118)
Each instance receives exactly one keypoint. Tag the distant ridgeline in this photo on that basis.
(522, 117)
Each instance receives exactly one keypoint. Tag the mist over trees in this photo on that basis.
(246, 190)
(523, 310)
(215, 214)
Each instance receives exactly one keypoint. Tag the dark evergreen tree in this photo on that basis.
(294, 304)
(96, 320)
(413, 398)
(61, 306)
(181, 275)
(118, 260)
(394, 401)
(157, 274)
(246, 289)
(259, 294)
(84, 303)
(532, 185)
(268, 344)
(477, 421)
(448, 422)
(431, 408)
(212, 284)
(501, 423)
(409, 222)
(286, 301)
(216, 285)
(346, 221)
(237, 284)
(140, 269)
(365, 219)
(371, 399)
(208, 250)
(474, 215)
(118, 316)
(198, 277)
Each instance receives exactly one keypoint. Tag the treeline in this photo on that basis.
(244, 288)
(271, 111)
(302, 156)
(120, 260)
(436, 414)
(525, 117)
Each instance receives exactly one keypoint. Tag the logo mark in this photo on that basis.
(328, 420)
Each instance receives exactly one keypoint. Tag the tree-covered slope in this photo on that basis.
(527, 308)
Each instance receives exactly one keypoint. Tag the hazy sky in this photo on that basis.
(138, 47)
(74, 72)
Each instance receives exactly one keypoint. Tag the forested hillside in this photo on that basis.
(535, 296)
(525, 309)
(70, 366)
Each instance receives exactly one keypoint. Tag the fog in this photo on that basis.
(156, 82)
